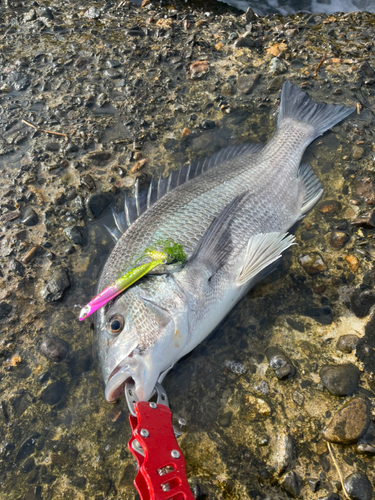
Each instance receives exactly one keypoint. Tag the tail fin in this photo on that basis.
(297, 105)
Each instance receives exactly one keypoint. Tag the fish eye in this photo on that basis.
(115, 324)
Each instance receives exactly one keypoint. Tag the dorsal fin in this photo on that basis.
(143, 200)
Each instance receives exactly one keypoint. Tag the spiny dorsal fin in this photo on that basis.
(216, 244)
(311, 185)
(262, 250)
(143, 200)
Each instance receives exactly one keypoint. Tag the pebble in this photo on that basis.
(314, 484)
(5, 309)
(276, 84)
(298, 398)
(284, 452)
(280, 363)
(245, 83)
(291, 484)
(54, 348)
(19, 80)
(225, 419)
(74, 234)
(357, 153)
(340, 380)
(27, 447)
(322, 315)
(277, 67)
(245, 42)
(256, 408)
(97, 203)
(366, 191)
(312, 263)
(361, 301)
(56, 286)
(366, 220)
(338, 239)
(53, 392)
(347, 343)
(350, 423)
(29, 217)
(358, 486)
(112, 73)
(330, 496)
(17, 267)
(250, 15)
(92, 13)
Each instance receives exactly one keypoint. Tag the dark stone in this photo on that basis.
(74, 234)
(250, 15)
(5, 309)
(312, 263)
(361, 302)
(18, 80)
(53, 392)
(136, 31)
(196, 488)
(340, 380)
(46, 13)
(331, 496)
(314, 484)
(28, 465)
(322, 315)
(27, 447)
(329, 208)
(79, 482)
(99, 157)
(347, 343)
(57, 286)
(88, 182)
(54, 349)
(29, 217)
(52, 146)
(17, 267)
(276, 84)
(280, 363)
(350, 423)
(365, 220)
(296, 325)
(366, 191)
(244, 42)
(225, 419)
(291, 484)
(358, 486)
(245, 83)
(97, 203)
(338, 239)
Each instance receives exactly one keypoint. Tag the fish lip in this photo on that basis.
(121, 374)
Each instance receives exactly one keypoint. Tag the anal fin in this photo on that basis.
(311, 185)
(262, 250)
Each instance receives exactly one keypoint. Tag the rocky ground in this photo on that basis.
(134, 92)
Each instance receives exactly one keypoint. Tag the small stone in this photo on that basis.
(350, 423)
(298, 398)
(365, 220)
(280, 363)
(277, 67)
(291, 484)
(323, 315)
(244, 42)
(6, 88)
(18, 80)
(29, 217)
(57, 286)
(338, 239)
(29, 16)
(358, 486)
(366, 191)
(361, 302)
(53, 393)
(330, 496)
(27, 447)
(5, 309)
(329, 207)
(250, 15)
(225, 419)
(357, 153)
(54, 348)
(245, 83)
(284, 452)
(92, 13)
(136, 31)
(198, 69)
(314, 484)
(74, 234)
(276, 84)
(256, 408)
(340, 380)
(17, 267)
(97, 203)
(312, 263)
(112, 73)
(88, 182)
(347, 343)
(353, 262)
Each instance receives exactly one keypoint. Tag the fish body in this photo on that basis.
(232, 222)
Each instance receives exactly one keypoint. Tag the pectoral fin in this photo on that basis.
(262, 250)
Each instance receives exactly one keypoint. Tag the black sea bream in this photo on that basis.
(231, 215)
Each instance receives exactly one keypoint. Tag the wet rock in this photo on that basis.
(56, 286)
(329, 208)
(53, 393)
(280, 363)
(285, 452)
(365, 220)
(358, 486)
(19, 80)
(314, 484)
(337, 239)
(331, 496)
(29, 217)
(276, 84)
(225, 419)
(250, 15)
(97, 203)
(340, 380)
(298, 398)
(291, 484)
(29, 16)
(366, 191)
(245, 42)
(195, 488)
(256, 408)
(27, 447)
(136, 31)
(112, 73)
(92, 13)
(357, 153)
(88, 182)
(54, 348)
(17, 267)
(322, 315)
(277, 67)
(350, 423)
(28, 465)
(74, 234)
(54, 147)
(361, 302)
(312, 263)
(5, 309)
(347, 343)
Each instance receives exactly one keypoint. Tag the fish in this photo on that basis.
(231, 213)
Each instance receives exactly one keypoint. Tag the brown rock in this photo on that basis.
(198, 69)
(245, 83)
(330, 207)
(353, 262)
(365, 220)
(350, 423)
(357, 153)
(366, 191)
(312, 263)
(277, 49)
(347, 343)
(337, 239)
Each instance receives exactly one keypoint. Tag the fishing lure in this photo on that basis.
(170, 251)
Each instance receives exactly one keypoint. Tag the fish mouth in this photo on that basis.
(123, 372)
